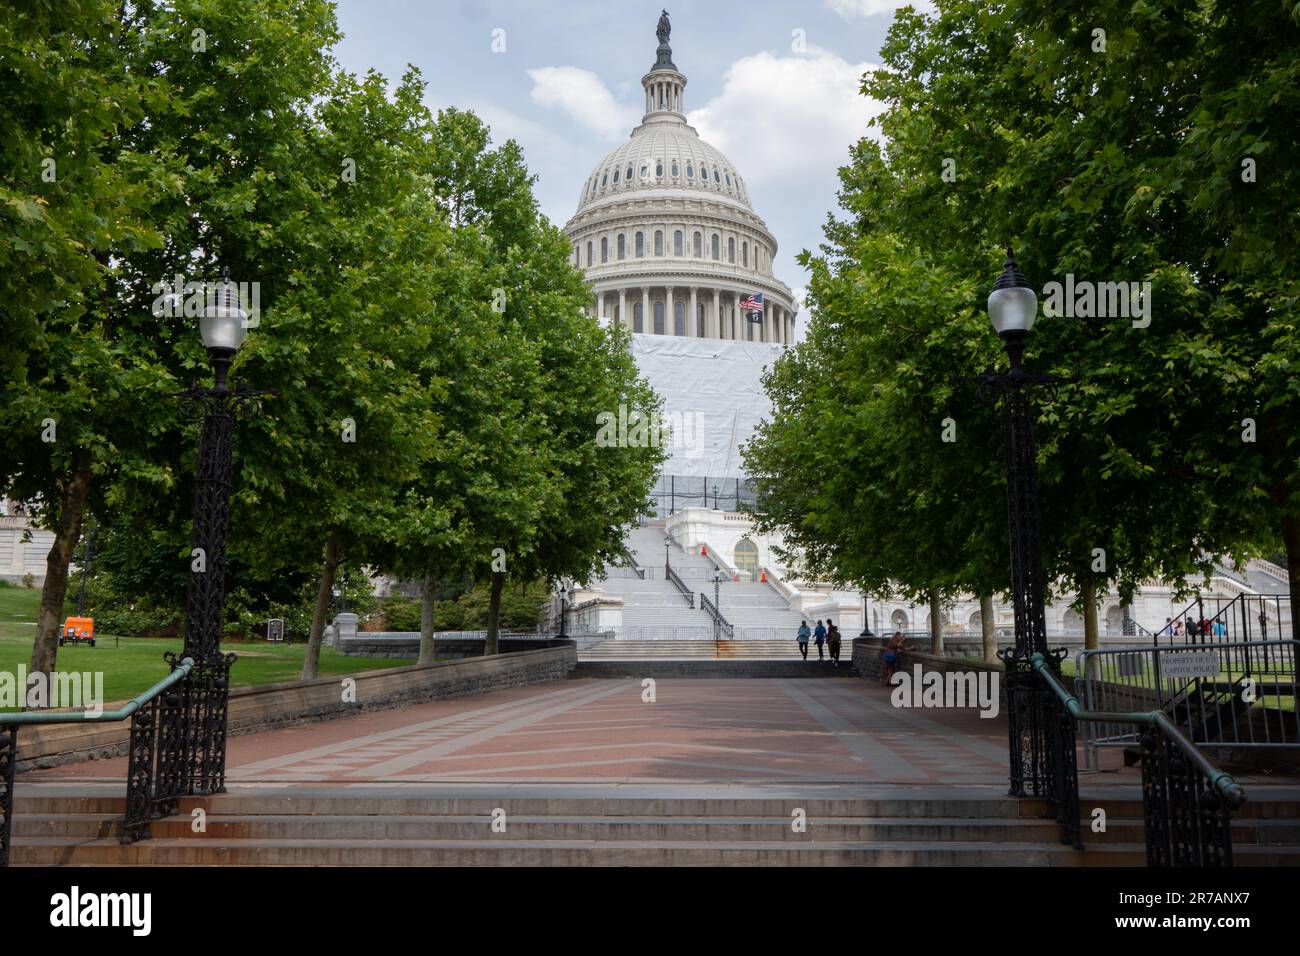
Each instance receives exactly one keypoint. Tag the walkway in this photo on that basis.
(698, 731)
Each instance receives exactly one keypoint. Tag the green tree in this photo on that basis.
(1118, 162)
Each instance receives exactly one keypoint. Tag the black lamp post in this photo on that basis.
(717, 603)
(199, 711)
(564, 593)
(1040, 731)
(715, 497)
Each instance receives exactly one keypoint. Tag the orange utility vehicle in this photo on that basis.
(78, 630)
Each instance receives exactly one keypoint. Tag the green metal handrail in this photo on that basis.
(123, 712)
(1222, 781)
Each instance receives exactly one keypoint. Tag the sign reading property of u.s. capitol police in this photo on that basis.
(1185, 665)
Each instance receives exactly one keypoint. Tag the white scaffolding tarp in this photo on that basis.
(713, 397)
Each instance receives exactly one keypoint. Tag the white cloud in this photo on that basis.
(583, 96)
(870, 8)
(788, 120)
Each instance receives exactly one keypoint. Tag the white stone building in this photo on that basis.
(667, 236)
(669, 240)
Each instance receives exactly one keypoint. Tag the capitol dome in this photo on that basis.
(667, 236)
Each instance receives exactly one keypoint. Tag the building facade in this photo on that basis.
(667, 236)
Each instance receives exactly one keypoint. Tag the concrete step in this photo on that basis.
(556, 827)
(508, 851)
(326, 825)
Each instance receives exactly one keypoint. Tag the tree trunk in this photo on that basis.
(1089, 593)
(311, 660)
(936, 623)
(1291, 542)
(72, 508)
(427, 593)
(988, 632)
(491, 645)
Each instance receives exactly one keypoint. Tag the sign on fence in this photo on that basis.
(1189, 664)
(275, 629)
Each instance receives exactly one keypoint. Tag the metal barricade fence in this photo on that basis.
(1225, 696)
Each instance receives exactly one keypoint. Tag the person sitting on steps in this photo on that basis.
(890, 660)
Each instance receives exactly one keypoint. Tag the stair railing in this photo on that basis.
(727, 631)
(680, 585)
(1187, 802)
(154, 778)
(631, 563)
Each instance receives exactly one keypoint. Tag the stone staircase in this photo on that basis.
(654, 605)
(559, 825)
(687, 649)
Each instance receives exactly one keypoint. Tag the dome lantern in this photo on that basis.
(664, 85)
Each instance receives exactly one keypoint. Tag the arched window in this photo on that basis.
(645, 170)
(728, 180)
(659, 168)
(659, 242)
(590, 258)
(679, 318)
(744, 254)
(616, 177)
(677, 244)
(638, 318)
(746, 558)
(622, 246)
(629, 174)
(699, 320)
(640, 245)
(898, 621)
(659, 318)
(714, 244)
(697, 246)
(731, 249)
(603, 180)
(690, 170)
(604, 249)
(715, 175)
(674, 168)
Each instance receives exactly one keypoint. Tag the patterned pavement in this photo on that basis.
(697, 731)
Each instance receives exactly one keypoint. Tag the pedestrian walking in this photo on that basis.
(819, 634)
(804, 635)
(833, 641)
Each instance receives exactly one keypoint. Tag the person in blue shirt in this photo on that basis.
(804, 634)
(819, 633)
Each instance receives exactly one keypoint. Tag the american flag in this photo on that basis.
(752, 303)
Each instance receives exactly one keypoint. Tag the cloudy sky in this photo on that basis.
(772, 83)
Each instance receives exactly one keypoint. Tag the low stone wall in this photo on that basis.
(447, 645)
(271, 705)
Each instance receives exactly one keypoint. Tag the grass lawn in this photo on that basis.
(133, 664)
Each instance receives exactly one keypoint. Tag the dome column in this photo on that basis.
(692, 329)
(713, 323)
(600, 305)
(646, 322)
(670, 317)
(622, 309)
